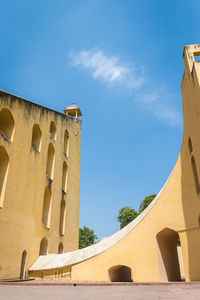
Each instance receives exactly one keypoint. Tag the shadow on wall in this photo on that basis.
(23, 265)
(120, 273)
(43, 247)
(60, 248)
(36, 137)
(168, 255)
(4, 163)
(6, 124)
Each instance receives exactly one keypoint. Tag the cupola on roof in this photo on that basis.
(73, 110)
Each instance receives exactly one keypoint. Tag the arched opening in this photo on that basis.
(62, 217)
(66, 144)
(46, 208)
(120, 273)
(60, 248)
(43, 247)
(195, 174)
(6, 124)
(36, 137)
(52, 131)
(190, 145)
(4, 162)
(64, 177)
(50, 161)
(23, 265)
(199, 220)
(168, 256)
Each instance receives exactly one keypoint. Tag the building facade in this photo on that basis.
(39, 183)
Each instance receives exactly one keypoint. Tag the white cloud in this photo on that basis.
(107, 68)
(113, 72)
(161, 104)
(169, 114)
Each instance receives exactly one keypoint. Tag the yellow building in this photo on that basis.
(39, 182)
(146, 249)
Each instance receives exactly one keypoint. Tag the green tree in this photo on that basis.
(87, 237)
(147, 200)
(126, 215)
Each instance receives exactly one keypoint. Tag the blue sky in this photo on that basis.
(121, 62)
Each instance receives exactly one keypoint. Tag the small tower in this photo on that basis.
(73, 110)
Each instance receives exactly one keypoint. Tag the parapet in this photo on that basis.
(189, 54)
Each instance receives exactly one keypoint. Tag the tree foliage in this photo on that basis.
(87, 237)
(126, 215)
(147, 200)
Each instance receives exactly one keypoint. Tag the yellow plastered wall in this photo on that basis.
(21, 211)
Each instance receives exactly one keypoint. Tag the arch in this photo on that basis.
(190, 145)
(23, 265)
(43, 246)
(199, 221)
(46, 215)
(66, 144)
(62, 217)
(120, 273)
(52, 131)
(60, 248)
(4, 163)
(6, 124)
(64, 177)
(195, 174)
(36, 137)
(168, 259)
(50, 161)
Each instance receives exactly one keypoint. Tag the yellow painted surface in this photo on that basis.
(21, 212)
(149, 249)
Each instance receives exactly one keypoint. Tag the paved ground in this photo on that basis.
(183, 292)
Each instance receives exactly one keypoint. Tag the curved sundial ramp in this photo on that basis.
(134, 246)
(146, 249)
(52, 261)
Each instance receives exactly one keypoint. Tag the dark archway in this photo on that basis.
(199, 220)
(62, 217)
(4, 163)
(66, 144)
(120, 273)
(190, 146)
(43, 247)
(52, 131)
(64, 177)
(36, 137)
(60, 248)
(50, 161)
(195, 174)
(168, 256)
(46, 215)
(6, 124)
(23, 265)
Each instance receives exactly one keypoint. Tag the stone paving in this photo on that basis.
(151, 292)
